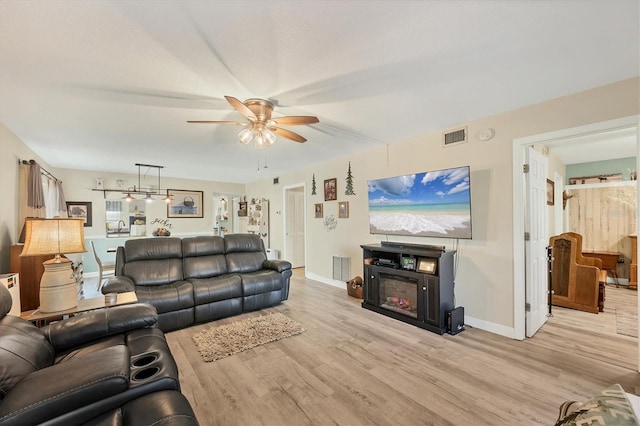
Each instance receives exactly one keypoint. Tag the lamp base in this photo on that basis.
(58, 288)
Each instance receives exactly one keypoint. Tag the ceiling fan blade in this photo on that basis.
(295, 120)
(288, 134)
(216, 122)
(241, 108)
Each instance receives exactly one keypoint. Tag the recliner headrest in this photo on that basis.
(202, 245)
(153, 248)
(235, 243)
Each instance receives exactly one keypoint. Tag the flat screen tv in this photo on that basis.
(429, 204)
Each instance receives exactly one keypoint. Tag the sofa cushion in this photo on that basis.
(68, 386)
(610, 407)
(154, 272)
(263, 281)
(204, 266)
(244, 253)
(207, 290)
(166, 298)
(153, 248)
(203, 257)
(23, 350)
(107, 342)
(241, 263)
(237, 243)
(202, 246)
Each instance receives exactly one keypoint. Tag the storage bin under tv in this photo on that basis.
(409, 282)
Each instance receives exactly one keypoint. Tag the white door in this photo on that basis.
(295, 227)
(536, 225)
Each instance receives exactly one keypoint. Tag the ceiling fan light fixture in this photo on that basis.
(246, 135)
(261, 128)
(260, 139)
(269, 136)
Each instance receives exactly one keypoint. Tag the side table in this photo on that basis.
(609, 261)
(84, 305)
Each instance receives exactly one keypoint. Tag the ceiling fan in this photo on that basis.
(262, 127)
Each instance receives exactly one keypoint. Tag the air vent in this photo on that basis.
(341, 268)
(454, 137)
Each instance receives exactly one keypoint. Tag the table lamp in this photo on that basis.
(58, 289)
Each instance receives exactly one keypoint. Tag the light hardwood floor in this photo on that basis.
(355, 367)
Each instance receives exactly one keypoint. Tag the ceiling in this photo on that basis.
(102, 85)
(609, 145)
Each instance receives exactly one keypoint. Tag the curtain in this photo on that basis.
(55, 202)
(62, 202)
(41, 194)
(25, 194)
(35, 194)
(50, 200)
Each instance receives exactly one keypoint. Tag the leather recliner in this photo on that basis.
(199, 279)
(107, 366)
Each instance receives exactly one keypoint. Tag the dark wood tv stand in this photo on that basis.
(413, 283)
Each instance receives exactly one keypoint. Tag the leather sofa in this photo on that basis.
(109, 366)
(199, 279)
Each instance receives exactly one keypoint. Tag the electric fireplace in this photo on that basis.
(399, 294)
(409, 282)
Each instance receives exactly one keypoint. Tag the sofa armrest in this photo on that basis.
(118, 284)
(92, 325)
(53, 391)
(276, 265)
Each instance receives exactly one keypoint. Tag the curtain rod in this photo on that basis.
(43, 171)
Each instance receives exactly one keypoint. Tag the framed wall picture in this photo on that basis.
(318, 211)
(550, 191)
(184, 203)
(330, 189)
(343, 209)
(81, 210)
(242, 209)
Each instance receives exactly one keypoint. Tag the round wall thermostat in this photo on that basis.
(486, 134)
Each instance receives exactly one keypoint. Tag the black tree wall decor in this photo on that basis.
(349, 188)
(313, 185)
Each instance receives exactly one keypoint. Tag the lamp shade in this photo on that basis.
(53, 236)
(245, 135)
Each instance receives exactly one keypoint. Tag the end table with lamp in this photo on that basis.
(58, 291)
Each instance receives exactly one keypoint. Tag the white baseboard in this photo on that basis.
(491, 327)
(323, 280)
(473, 322)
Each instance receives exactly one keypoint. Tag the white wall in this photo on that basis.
(12, 149)
(485, 275)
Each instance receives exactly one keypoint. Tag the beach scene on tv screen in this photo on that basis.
(429, 204)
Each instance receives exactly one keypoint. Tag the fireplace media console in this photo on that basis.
(409, 282)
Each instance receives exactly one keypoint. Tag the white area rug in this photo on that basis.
(222, 341)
